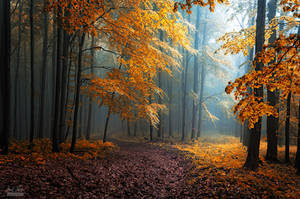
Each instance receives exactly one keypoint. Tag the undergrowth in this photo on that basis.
(42, 151)
(223, 157)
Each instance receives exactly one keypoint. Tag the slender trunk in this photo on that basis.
(79, 126)
(272, 122)
(170, 90)
(202, 78)
(200, 100)
(151, 126)
(5, 74)
(90, 111)
(297, 160)
(106, 125)
(55, 146)
(25, 93)
(128, 128)
(64, 85)
(17, 72)
(253, 149)
(77, 94)
(196, 74)
(184, 96)
(287, 129)
(43, 74)
(31, 74)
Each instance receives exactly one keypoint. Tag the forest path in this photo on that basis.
(137, 170)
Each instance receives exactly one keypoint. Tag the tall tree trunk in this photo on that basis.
(184, 96)
(170, 93)
(5, 74)
(25, 92)
(55, 146)
(80, 123)
(297, 160)
(202, 78)
(77, 94)
(43, 74)
(196, 74)
(62, 123)
(90, 111)
(253, 149)
(272, 122)
(151, 126)
(31, 6)
(287, 129)
(16, 83)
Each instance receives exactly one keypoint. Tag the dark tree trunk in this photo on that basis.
(128, 128)
(184, 88)
(297, 160)
(196, 74)
(287, 129)
(106, 125)
(43, 74)
(272, 122)
(77, 94)
(31, 73)
(16, 83)
(64, 80)
(90, 111)
(5, 74)
(151, 126)
(55, 146)
(253, 149)
(79, 126)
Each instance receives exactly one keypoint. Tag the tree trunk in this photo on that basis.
(31, 74)
(297, 160)
(43, 74)
(90, 111)
(196, 74)
(184, 95)
(151, 126)
(272, 122)
(202, 78)
(17, 71)
(55, 146)
(5, 74)
(106, 125)
(170, 93)
(62, 123)
(77, 94)
(253, 149)
(287, 129)
(128, 128)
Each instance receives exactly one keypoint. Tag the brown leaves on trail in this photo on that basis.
(136, 171)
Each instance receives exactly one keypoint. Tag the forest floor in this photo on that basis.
(208, 168)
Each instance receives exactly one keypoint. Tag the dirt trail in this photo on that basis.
(137, 171)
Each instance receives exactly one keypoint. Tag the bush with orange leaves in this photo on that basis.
(42, 151)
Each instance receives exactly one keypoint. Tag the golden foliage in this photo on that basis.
(222, 158)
